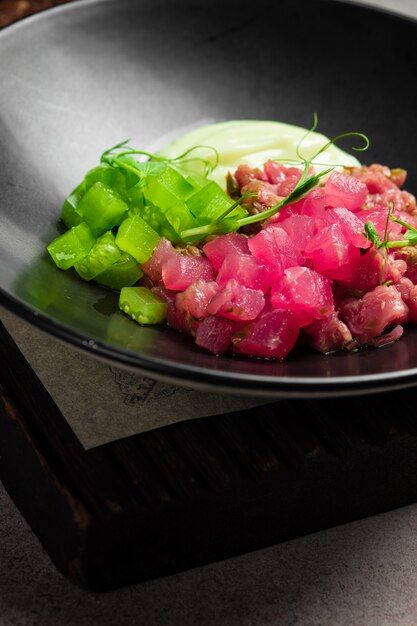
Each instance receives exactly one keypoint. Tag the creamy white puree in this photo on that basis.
(254, 142)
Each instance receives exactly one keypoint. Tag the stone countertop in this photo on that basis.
(363, 573)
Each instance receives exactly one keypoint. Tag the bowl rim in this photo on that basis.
(202, 377)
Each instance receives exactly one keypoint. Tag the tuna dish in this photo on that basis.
(289, 251)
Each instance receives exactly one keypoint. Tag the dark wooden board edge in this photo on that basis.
(14, 10)
(199, 491)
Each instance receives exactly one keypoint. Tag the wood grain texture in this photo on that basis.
(13, 10)
(202, 490)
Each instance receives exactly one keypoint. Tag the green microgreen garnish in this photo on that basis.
(370, 232)
(410, 235)
(115, 156)
(122, 156)
(304, 186)
(220, 223)
(301, 190)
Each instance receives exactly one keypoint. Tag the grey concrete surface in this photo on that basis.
(364, 573)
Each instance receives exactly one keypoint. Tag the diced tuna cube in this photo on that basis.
(345, 191)
(346, 273)
(176, 318)
(314, 204)
(406, 217)
(274, 246)
(195, 298)
(218, 249)
(398, 176)
(248, 270)
(378, 217)
(245, 174)
(351, 225)
(378, 178)
(373, 268)
(368, 317)
(328, 249)
(215, 334)
(284, 178)
(261, 195)
(408, 292)
(179, 272)
(304, 292)
(287, 211)
(271, 336)
(329, 334)
(163, 251)
(237, 302)
(408, 202)
(300, 229)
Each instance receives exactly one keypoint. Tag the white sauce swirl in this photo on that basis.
(254, 142)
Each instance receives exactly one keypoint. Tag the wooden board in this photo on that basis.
(12, 10)
(202, 490)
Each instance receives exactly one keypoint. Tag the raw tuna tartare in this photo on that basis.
(284, 254)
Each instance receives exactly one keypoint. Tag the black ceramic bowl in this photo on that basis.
(78, 79)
